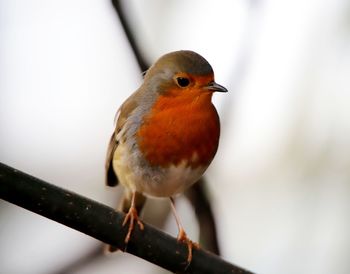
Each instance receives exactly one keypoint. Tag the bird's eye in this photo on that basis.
(182, 81)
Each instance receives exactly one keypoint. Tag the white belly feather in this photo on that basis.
(158, 182)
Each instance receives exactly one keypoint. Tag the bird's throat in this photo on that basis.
(180, 130)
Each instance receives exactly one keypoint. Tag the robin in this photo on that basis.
(166, 135)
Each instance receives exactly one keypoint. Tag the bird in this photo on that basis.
(166, 135)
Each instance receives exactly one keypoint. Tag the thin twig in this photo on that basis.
(201, 204)
(129, 35)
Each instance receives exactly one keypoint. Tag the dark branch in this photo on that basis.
(104, 224)
(200, 202)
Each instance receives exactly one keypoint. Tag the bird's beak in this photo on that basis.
(215, 87)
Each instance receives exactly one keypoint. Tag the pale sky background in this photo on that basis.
(280, 182)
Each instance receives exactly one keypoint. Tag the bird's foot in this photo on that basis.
(182, 237)
(131, 217)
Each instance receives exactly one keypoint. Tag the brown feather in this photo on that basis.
(111, 177)
(127, 107)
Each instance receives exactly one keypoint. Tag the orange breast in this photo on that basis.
(180, 128)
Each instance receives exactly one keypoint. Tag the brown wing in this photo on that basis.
(111, 177)
(121, 117)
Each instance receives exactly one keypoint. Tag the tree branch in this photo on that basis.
(105, 224)
(130, 36)
(196, 194)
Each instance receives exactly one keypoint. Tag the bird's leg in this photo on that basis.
(131, 217)
(182, 237)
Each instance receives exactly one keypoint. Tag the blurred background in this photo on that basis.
(280, 183)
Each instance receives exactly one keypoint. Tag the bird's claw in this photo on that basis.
(182, 237)
(131, 217)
